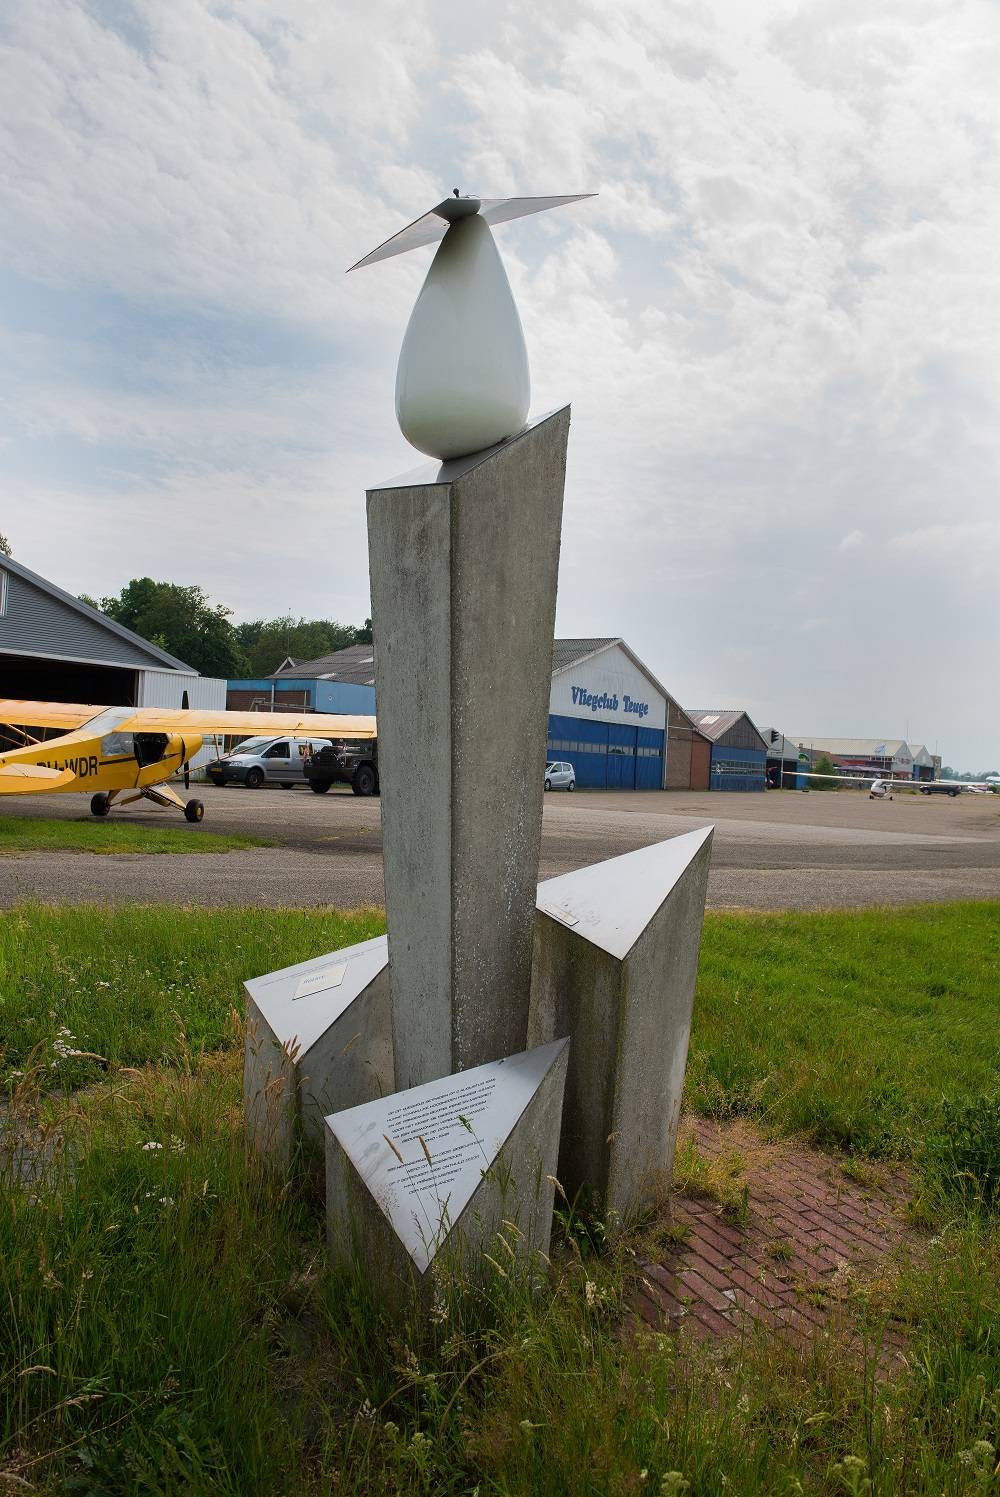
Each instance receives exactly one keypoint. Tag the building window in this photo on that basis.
(3, 593)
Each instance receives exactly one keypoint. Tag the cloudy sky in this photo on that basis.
(777, 324)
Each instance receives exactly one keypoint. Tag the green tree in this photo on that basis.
(265, 643)
(824, 765)
(363, 636)
(181, 621)
(5, 546)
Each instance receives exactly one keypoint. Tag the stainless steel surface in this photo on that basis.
(433, 225)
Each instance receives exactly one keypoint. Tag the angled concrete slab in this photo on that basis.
(615, 961)
(318, 1037)
(425, 1179)
(464, 560)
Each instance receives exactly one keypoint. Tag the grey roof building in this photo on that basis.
(54, 647)
(355, 665)
(608, 714)
(739, 750)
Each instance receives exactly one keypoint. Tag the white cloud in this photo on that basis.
(776, 323)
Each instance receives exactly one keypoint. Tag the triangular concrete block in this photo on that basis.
(435, 1171)
(614, 966)
(610, 904)
(318, 1036)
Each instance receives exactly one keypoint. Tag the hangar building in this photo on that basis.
(877, 756)
(608, 714)
(55, 648)
(739, 752)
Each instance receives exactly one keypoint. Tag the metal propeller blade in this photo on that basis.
(185, 707)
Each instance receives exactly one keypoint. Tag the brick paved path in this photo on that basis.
(808, 1231)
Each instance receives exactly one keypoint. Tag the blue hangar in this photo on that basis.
(608, 714)
(739, 750)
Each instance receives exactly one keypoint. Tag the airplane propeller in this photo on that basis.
(185, 706)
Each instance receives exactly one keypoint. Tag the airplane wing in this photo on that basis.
(206, 721)
(46, 714)
(21, 779)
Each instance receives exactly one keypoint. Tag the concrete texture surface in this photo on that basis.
(516, 1186)
(781, 850)
(305, 1057)
(463, 578)
(626, 1006)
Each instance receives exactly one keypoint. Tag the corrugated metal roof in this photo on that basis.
(567, 652)
(866, 748)
(354, 665)
(715, 722)
(43, 620)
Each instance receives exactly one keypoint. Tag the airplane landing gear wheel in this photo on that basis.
(99, 805)
(194, 810)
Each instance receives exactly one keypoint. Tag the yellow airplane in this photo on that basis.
(125, 754)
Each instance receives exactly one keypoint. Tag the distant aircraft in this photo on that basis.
(125, 754)
(880, 787)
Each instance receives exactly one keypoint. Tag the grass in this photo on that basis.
(168, 1324)
(848, 1027)
(32, 834)
(845, 1028)
(126, 982)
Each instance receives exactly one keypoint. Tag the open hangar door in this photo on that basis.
(36, 679)
(33, 679)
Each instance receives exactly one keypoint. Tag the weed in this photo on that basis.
(169, 1324)
(715, 1177)
(962, 1152)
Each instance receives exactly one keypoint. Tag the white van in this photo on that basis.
(265, 761)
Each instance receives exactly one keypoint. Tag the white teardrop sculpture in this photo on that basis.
(462, 382)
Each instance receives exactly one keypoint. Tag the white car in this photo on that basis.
(560, 777)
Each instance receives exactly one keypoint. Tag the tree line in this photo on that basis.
(182, 621)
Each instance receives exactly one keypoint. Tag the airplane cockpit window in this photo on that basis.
(117, 746)
(105, 722)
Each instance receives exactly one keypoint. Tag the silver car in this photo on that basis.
(265, 761)
(559, 776)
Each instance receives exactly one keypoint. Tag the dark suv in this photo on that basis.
(351, 762)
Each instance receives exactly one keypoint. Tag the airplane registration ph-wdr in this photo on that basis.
(125, 754)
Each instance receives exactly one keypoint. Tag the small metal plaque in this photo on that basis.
(318, 982)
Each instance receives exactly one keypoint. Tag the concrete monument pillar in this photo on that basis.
(464, 558)
(616, 957)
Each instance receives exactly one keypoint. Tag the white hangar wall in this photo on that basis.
(608, 718)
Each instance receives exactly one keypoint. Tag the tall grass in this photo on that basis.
(168, 1324)
(122, 980)
(850, 1028)
(847, 1027)
(169, 1327)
